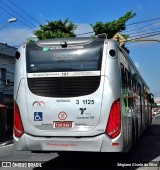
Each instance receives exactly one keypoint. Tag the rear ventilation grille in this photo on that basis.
(64, 86)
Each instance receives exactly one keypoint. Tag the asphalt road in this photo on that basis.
(147, 151)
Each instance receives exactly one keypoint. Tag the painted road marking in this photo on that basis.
(2, 146)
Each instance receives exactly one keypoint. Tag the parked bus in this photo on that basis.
(78, 94)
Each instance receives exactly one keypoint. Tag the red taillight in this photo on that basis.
(114, 122)
(18, 126)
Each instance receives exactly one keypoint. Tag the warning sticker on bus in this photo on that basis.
(60, 124)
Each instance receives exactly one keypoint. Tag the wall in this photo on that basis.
(7, 63)
(7, 67)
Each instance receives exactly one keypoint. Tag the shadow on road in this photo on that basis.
(85, 161)
(147, 150)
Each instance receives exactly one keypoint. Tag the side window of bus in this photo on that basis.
(138, 89)
(129, 80)
(122, 76)
(133, 84)
(145, 101)
(126, 79)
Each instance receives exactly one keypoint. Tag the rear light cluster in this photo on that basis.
(18, 126)
(114, 122)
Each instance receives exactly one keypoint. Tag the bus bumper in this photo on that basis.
(99, 143)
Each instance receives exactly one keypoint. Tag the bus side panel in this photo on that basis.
(20, 143)
(110, 94)
(114, 145)
(20, 72)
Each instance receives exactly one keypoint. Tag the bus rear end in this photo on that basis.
(64, 97)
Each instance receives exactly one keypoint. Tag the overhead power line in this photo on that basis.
(24, 12)
(137, 45)
(144, 40)
(145, 36)
(17, 18)
(132, 24)
(153, 19)
(17, 13)
(139, 28)
(150, 33)
(145, 31)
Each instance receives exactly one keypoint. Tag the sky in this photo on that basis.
(31, 13)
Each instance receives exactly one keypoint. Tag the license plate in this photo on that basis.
(62, 124)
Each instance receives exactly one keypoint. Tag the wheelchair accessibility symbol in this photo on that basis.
(38, 116)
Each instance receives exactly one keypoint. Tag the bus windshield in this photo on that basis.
(56, 59)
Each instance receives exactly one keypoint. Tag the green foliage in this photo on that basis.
(56, 29)
(111, 28)
(31, 41)
(154, 105)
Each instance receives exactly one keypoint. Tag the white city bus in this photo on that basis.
(78, 94)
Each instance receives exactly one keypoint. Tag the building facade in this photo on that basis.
(7, 62)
